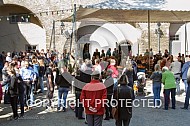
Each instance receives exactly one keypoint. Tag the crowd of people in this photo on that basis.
(105, 76)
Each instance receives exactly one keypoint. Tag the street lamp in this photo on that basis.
(62, 27)
(159, 32)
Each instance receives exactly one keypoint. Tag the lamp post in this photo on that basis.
(159, 33)
(62, 27)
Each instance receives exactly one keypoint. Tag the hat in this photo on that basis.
(165, 69)
(94, 73)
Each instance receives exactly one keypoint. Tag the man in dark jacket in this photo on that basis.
(85, 77)
(96, 54)
(108, 53)
(50, 85)
(109, 83)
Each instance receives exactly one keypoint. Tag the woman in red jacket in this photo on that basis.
(115, 71)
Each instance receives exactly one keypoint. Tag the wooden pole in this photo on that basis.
(149, 37)
(52, 34)
(73, 29)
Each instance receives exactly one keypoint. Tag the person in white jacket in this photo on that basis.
(176, 70)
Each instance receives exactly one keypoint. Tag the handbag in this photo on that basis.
(115, 110)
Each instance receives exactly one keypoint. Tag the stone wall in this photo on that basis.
(164, 40)
(46, 20)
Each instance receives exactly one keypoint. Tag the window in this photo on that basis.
(174, 37)
(15, 18)
(31, 47)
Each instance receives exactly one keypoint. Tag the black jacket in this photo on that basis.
(96, 54)
(20, 85)
(125, 92)
(80, 81)
(66, 80)
(156, 77)
(42, 71)
(13, 86)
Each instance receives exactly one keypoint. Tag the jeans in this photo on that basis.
(62, 96)
(156, 91)
(167, 95)
(186, 105)
(115, 83)
(94, 120)
(32, 94)
(28, 93)
(186, 85)
(125, 122)
(41, 84)
(177, 79)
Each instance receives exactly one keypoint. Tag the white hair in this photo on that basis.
(165, 69)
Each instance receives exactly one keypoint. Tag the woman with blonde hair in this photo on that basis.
(157, 82)
(115, 71)
(128, 71)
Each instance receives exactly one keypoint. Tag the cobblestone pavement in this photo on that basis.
(142, 116)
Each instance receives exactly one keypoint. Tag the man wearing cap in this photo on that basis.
(109, 83)
(93, 96)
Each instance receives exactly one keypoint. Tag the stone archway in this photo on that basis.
(22, 29)
(31, 7)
